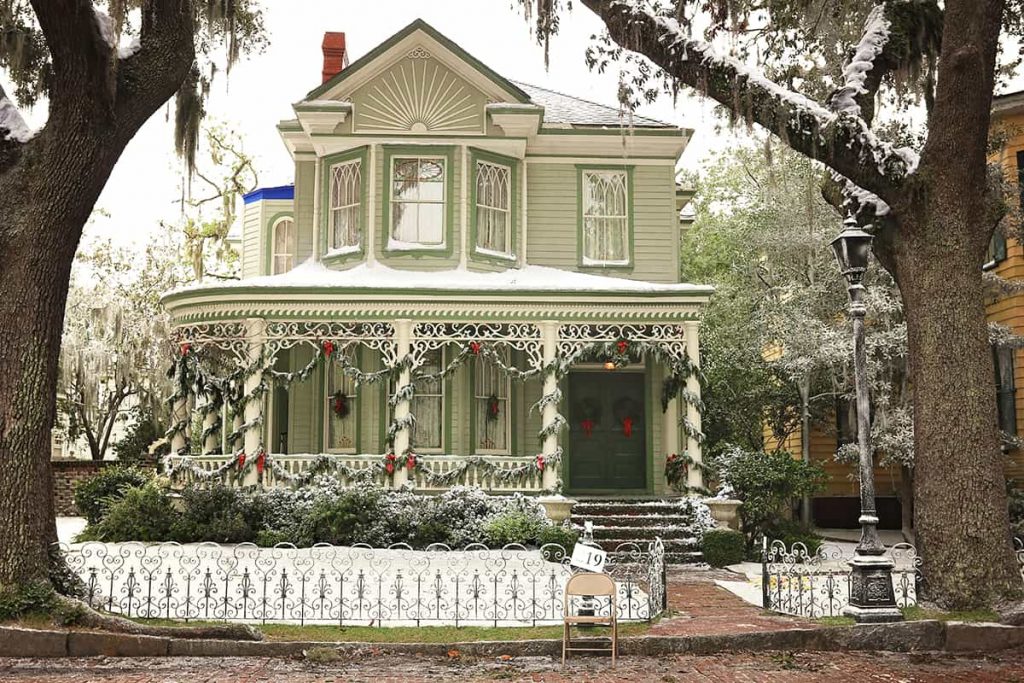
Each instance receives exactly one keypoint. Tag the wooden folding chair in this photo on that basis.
(597, 586)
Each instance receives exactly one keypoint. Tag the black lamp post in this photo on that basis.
(872, 598)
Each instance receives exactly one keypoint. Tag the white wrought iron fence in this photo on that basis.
(798, 582)
(358, 585)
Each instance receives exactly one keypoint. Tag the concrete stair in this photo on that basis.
(639, 520)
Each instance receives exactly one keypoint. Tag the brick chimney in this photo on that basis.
(334, 55)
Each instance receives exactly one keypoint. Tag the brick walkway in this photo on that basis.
(699, 607)
(369, 667)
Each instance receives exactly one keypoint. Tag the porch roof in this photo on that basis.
(377, 291)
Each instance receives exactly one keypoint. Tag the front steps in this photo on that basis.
(640, 520)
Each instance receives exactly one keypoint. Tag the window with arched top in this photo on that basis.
(283, 241)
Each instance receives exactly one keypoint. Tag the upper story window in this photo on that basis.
(283, 240)
(605, 218)
(345, 205)
(418, 189)
(493, 208)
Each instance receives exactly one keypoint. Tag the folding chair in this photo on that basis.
(595, 585)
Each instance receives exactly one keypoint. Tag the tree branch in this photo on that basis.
(80, 55)
(842, 141)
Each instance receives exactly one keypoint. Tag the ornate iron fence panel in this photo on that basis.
(798, 582)
(356, 585)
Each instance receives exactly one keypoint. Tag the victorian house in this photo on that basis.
(471, 281)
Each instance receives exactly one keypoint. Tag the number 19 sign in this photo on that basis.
(588, 558)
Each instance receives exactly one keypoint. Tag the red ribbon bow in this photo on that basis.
(540, 463)
(475, 348)
(672, 457)
(622, 345)
(328, 348)
(588, 427)
(627, 426)
(389, 465)
(261, 461)
(410, 461)
(241, 460)
(185, 348)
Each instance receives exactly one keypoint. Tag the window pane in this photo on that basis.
(493, 189)
(431, 224)
(284, 247)
(605, 217)
(346, 188)
(428, 406)
(418, 201)
(491, 392)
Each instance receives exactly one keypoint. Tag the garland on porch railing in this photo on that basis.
(187, 466)
(488, 468)
(325, 465)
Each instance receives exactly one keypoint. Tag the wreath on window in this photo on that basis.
(589, 410)
(493, 408)
(340, 404)
(625, 410)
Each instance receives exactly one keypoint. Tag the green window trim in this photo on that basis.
(268, 239)
(447, 152)
(326, 164)
(510, 258)
(630, 217)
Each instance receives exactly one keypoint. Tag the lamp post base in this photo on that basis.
(872, 598)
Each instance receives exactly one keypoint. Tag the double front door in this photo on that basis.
(607, 431)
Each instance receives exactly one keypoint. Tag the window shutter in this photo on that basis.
(1006, 389)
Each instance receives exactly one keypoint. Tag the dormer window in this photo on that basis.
(418, 202)
(283, 240)
(345, 205)
(493, 208)
(605, 209)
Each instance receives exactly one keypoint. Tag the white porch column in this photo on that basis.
(252, 439)
(693, 447)
(403, 347)
(212, 441)
(549, 344)
(180, 414)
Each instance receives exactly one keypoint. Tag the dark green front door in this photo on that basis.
(607, 431)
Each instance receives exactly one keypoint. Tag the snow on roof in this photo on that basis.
(529, 278)
(562, 108)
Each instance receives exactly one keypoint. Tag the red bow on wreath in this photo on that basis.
(340, 405)
(493, 408)
(261, 461)
(241, 460)
(389, 463)
(185, 348)
(328, 348)
(588, 427)
(627, 426)
(622, 345)
(540, 463)
(475, 348)
(410, 462)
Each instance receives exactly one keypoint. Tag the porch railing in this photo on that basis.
(493, 473)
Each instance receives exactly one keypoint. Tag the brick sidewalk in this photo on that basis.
(372, 667)
(699, 607)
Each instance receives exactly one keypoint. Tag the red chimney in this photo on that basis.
(334, 55)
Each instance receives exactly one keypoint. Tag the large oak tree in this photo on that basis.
(932, 210)
(99, 90)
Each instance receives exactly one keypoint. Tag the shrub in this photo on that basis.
(723, 547)
(561, 535)
(790, 532)
(16, 601)
(217, 513)
(143, 513)
(512, 527)
(767, 483)
(143, 432)
(93, 496)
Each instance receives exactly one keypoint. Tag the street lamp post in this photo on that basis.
(872, 599)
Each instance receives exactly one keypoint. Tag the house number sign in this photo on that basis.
(588, 558)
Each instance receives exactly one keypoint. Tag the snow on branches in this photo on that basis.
(876, 35)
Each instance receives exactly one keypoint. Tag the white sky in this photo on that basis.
(144, 187)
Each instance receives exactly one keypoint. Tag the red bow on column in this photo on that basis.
(241, 460)
(588, 427)
(410, 461)
(185, 348)
(261, 461)
(540, 462)
(627, 426)
(389, 464)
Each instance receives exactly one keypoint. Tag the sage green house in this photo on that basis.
(471, 281)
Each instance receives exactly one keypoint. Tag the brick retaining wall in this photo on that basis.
(67, 472)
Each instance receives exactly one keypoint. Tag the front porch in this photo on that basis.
(561, 396)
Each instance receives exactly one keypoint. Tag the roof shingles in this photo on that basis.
(565, 109)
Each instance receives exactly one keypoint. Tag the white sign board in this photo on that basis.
(588, 558)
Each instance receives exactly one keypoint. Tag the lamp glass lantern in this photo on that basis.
(852, 248)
